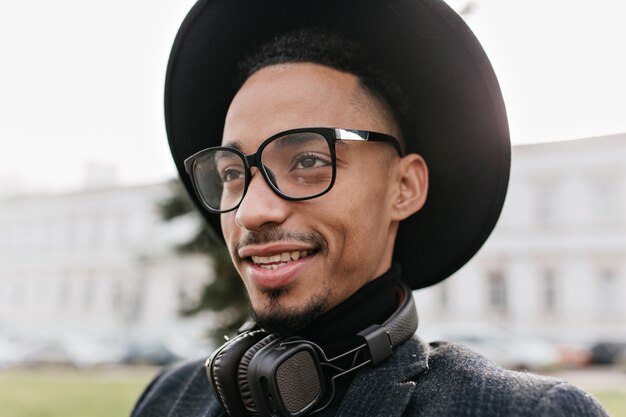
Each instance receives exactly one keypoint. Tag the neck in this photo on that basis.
(335, 331)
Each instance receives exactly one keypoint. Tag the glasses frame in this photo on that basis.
(332, 135)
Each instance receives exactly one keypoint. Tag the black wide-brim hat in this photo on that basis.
(457, 111)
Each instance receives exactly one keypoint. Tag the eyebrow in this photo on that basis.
(234, 144)
(296, 139)
(224, 155)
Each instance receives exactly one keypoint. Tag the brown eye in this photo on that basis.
(231, 174)
(310, 161)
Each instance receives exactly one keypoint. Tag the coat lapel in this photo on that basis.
(386, 389)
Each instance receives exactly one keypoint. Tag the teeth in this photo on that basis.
(275, 258)
(274, 261)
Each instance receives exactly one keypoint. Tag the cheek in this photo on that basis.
(360, 212)
(365, 194)
(227, 221)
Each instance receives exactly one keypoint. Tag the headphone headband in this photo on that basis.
(399, 327)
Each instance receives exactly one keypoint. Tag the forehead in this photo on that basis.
(295, 95)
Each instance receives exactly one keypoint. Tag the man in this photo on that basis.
(365, 145)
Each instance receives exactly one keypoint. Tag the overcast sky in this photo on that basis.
(82, 81)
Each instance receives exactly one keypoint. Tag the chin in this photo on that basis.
(279, 313)
(280, 299)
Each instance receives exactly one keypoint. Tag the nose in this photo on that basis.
(260, 206)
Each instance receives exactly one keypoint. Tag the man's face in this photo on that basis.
(328, 247)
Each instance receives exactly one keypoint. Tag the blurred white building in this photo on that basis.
(555, 265)
(98, 263)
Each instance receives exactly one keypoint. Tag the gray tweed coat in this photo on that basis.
(436, 380)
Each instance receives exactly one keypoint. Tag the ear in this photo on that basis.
(412, 186)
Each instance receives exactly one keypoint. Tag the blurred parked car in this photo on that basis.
(51, 352)
(76, 351)
(574, 354)
(11, 352)
(148, 353)
(608, 353)
(88, 352)
(506, 349)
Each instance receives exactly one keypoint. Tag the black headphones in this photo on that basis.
(262, 375)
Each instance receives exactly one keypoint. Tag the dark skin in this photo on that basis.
(342, 239)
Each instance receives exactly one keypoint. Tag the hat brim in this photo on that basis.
(458, 113)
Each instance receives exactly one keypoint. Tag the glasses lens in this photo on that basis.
(299, 164)
(220, 178)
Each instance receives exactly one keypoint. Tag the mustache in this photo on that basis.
(276, 234)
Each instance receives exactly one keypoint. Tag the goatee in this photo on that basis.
(287, 321)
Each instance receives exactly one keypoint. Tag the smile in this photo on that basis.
(280, 259)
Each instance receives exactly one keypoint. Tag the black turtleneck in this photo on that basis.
(336, 330)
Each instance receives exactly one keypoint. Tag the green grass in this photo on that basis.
(70, 393)
(60, 392)
(613, 401)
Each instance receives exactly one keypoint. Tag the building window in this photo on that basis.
(608, 293)
(545, 205)
(497, 296)
(96, 226)
(18, 294)
(549, 291)
(3, 295)
(64, 292)
(605, 204)
(88, 291)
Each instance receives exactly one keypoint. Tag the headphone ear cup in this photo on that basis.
(242, 374)
(223, 371)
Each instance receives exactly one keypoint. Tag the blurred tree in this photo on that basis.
(468, 9)
(226, 293)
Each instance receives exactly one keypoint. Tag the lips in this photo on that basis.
(278, 260)
(275, 265)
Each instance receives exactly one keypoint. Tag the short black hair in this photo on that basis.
(319, 45)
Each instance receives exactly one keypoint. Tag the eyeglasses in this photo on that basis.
(297, 164)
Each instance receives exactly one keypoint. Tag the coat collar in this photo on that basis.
(387, 388)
